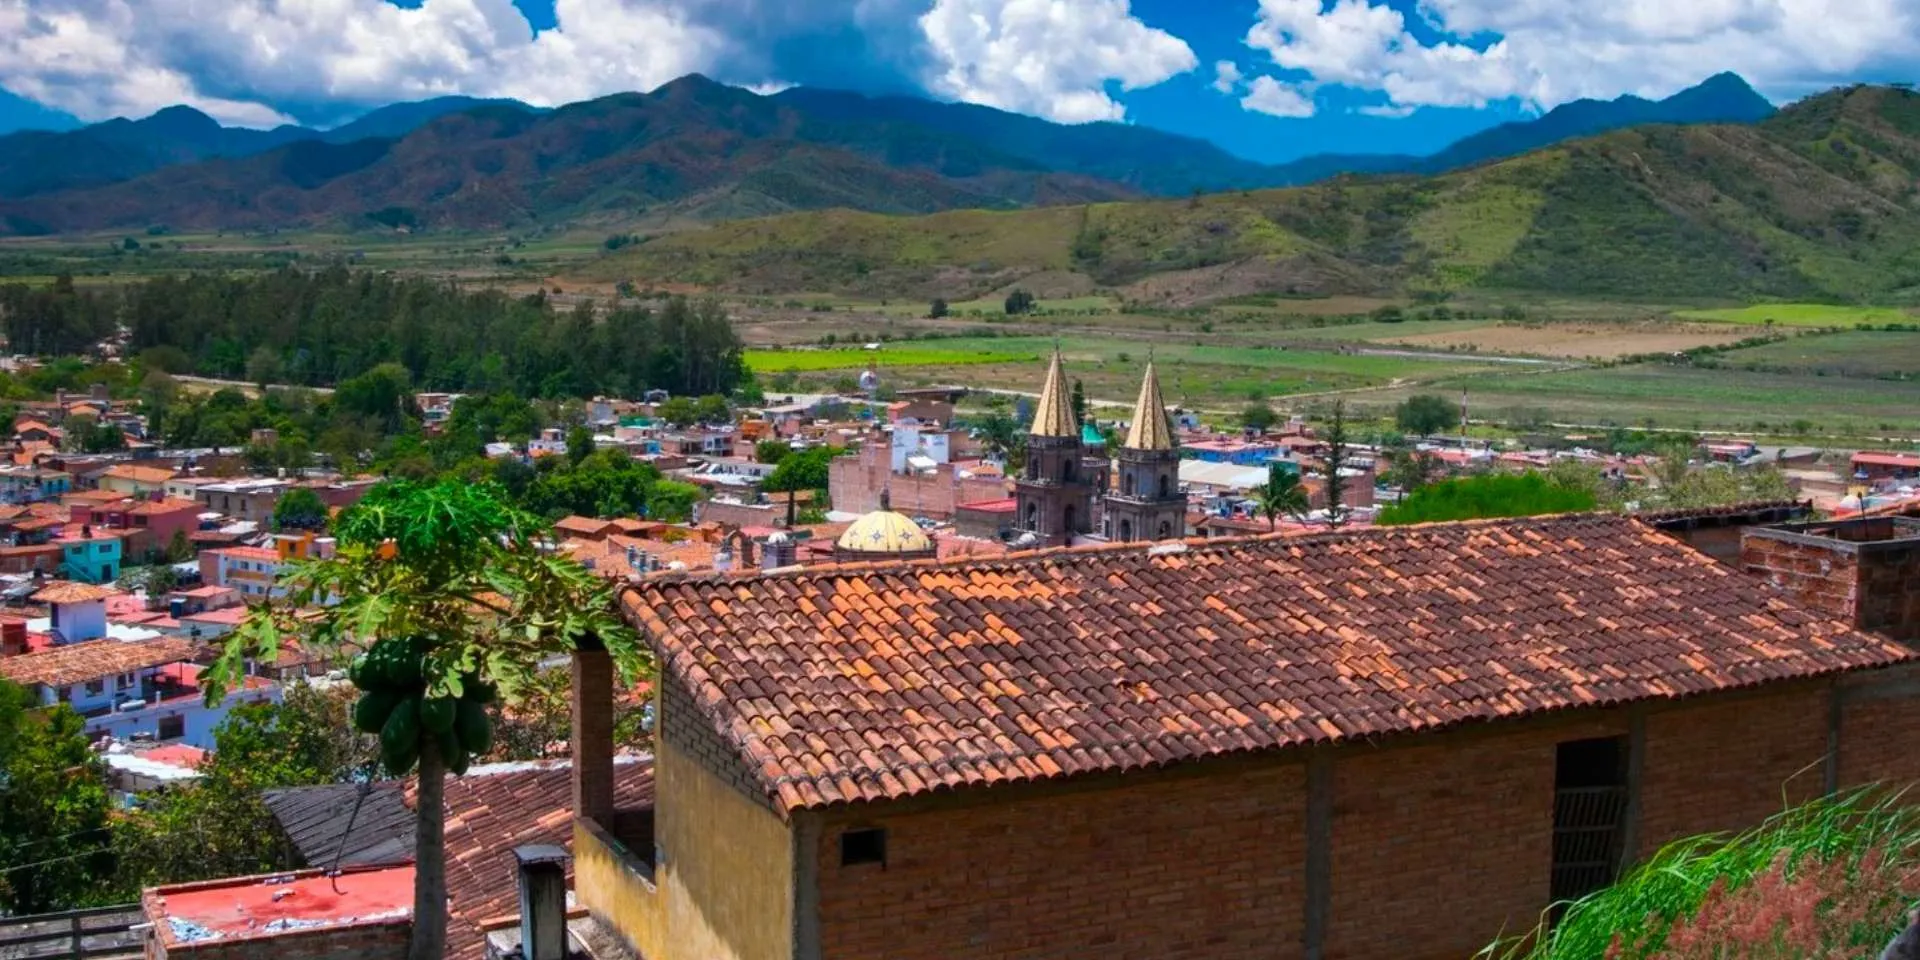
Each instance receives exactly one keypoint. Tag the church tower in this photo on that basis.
(1054, 495)
(1148, 504)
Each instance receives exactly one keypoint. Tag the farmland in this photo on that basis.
(1578, 340)
(1880, 355)
(1802, 315)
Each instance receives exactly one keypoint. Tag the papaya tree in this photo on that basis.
(443, 590)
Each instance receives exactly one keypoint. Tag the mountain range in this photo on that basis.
(690, 150)
(1816, 202)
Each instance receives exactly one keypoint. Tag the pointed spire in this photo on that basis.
(1150, 429)
(1053, 417)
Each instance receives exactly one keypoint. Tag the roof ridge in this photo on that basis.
(1144, 548)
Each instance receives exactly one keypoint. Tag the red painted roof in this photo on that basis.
(178, 754)
(1003, 505)
(247, 553)
(243, 907)
(1872, 458)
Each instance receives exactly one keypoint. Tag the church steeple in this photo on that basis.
(1150, 429)
(1053, 417)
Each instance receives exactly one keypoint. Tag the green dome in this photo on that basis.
(1091, 436)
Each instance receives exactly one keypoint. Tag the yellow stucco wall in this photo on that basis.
(725, 890)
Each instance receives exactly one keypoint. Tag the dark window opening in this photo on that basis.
(1589, 816)
(171, 728)
(863, 846)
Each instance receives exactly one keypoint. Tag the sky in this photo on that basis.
(1267, 79)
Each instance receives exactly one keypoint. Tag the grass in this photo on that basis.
(1801, 315)
(1855, 353)
(889, 356)
(1830, 878)
(1694, 398)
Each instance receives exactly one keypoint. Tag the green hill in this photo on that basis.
(1817, 202)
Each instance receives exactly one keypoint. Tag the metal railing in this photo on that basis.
(95, 934)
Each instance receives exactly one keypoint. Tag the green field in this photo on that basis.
(1801, 315)
(1693, 398)
(889, 356)
(1864, 354)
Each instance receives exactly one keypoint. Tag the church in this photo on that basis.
(1068, 490)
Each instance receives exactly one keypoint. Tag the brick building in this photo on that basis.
(854, 485)
(1238, 748)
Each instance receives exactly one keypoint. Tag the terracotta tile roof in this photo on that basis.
(80, 662)
(154, 475)
(582, 525)
(498, 807)
(1763, 510)
(886, 681)
(68, 592)
(169, 505)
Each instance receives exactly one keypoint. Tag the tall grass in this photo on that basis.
(1831, 878)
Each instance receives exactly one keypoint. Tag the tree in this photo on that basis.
(579, 444)
(937, 309)
(1000, 434)
(1489, 495)
(452, 573)
(1079, 401)
(300, 509)
(771, 451)
(1424, 414)
(806, 470)
(156, 579)
(678, 411)
(1019, 302)
(264, 366)
(1336, 457)
(1409, 469)
(1258, 416)
(1281, 494)
(210, 828)
(54, 840)
(713, 409)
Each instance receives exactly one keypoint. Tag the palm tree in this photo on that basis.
(1282, 493)
(454, 567)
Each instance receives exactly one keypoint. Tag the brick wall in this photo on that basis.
(1879, 726)
(854, 484)
(1434, 847)
(368, 941)
(1729, 765)
(1174, 867)
(1410, 825)
(1866, 572)
(693, 735)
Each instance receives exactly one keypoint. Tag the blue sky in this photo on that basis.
(1267, 79)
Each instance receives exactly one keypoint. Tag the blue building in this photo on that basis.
(90, 558)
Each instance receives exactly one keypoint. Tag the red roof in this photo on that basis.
(1003, 505)
(903, 678)
(178, 754)
(77, 662)
(1873, 459)
(280, 904)
(248, 553)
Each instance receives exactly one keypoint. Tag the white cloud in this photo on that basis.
(1546, 52)
(1226, 76)
(259, 62)
(1276, 99)
(1051, 58)
(1386, 110)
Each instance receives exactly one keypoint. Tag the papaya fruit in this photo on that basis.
(450, 749)
(400, 735)
(400, 763)
(371, 710)
(458, 763)
(474, 727)
(395, 662)
(436, 714)
(357, 671)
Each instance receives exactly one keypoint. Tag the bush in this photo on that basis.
(1492, 495)
(1831, 878)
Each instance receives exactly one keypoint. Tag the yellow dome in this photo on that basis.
(884, 531)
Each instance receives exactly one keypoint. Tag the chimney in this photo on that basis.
(13, 636)
(592, 735)
(1865, 571)
(543, 901)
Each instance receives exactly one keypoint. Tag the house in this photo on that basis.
(136, 481)
(250, 570)
(89, 555)
(1877, 467)
(75, 611)
(978, 757)
(94, 675)
(146, 527)
(584, 528)
(251, 499)
(27, 484)
(40, 558)
(33, 431)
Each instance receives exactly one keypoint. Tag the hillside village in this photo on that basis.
(767, 522)
(906, 484)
